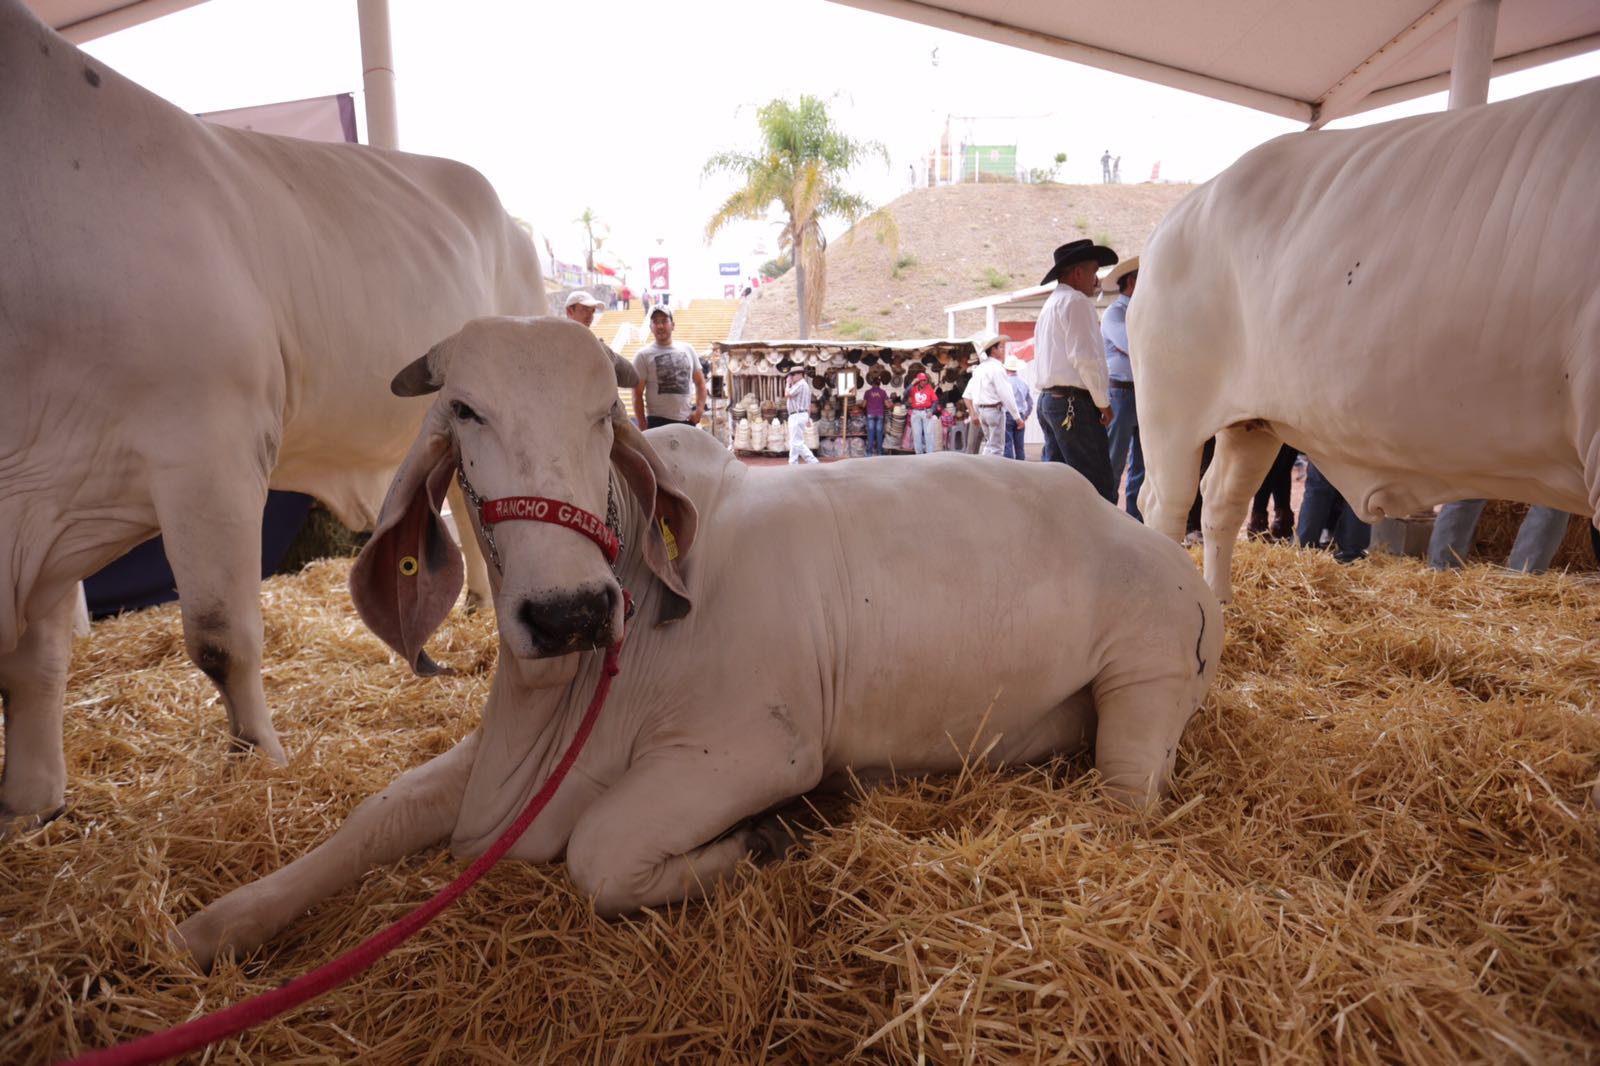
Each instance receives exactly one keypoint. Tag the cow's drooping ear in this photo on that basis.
(422, 375)
(627, 376)
(671, 520)
(407, 577)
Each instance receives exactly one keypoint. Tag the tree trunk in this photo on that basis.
(800, 283)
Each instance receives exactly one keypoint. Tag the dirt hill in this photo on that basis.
(958, 243)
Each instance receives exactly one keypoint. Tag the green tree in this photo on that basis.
(591, 223)
(800, 166)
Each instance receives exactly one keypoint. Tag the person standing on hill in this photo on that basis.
(1105, 168)
(1070, 360)
(666, 370)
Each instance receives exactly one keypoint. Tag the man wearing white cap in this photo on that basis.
(991, 393)
(581, 307)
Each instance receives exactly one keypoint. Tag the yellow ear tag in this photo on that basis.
(672, 542)
(408, 566)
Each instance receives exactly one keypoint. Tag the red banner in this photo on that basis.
(658, 275)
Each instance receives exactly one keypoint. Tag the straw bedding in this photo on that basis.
(1379, 850)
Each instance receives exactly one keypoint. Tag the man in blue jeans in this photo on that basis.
(923, 400)
(1325, 508)
(876, 403)
(1124, 428)
(1538, 538)
(1016, 436)
(1070, 361)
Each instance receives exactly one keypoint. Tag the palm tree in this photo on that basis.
(800, 165)
(590, 222)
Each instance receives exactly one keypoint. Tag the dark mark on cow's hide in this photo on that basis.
(1200, 639)
(44, 48)
(780, 714)
(91, 76)
(212, 659)
(209, 655)
(76, 165)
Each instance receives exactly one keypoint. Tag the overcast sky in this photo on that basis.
(616, 106)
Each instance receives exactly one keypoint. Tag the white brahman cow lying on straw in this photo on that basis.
(190, 315)
(1088, 628)
(1414, 305)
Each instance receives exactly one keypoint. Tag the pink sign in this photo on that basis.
(658, 275)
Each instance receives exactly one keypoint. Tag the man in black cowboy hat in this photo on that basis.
(1070, 363)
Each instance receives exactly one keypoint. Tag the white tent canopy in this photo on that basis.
(84, 20)
(1309, 60)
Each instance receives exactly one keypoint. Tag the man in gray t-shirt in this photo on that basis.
(666, 370)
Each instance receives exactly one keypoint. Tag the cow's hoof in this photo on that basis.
(192, 939)
(267, 746)
(228, 927)
(13, 824)
(780, 835)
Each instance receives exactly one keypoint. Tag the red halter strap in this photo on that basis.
(544, 509)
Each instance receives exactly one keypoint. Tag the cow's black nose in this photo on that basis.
(570, 622)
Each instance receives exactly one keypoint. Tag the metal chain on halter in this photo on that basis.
(613, 523)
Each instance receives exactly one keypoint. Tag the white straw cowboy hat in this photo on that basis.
(1118, 272)
(1013, 364)
(982, 342)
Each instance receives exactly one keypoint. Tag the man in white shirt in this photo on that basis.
(798, 397)
(666, 372)
(1070, 361)
(990, 394)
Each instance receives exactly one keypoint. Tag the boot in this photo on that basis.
(1258, 525)
(1282, 526)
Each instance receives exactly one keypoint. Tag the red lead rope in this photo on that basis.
(169, 1043)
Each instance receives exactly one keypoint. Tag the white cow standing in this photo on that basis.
(1415, 305)
(190, 315)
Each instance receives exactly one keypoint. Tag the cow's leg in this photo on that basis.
(1171, 476)
(212, 534)
(33, 685)
(417, 810)
(1241, 461)
(1140, 716)
(661, 833)
(477, 569)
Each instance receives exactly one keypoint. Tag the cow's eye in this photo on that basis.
(465, 413)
